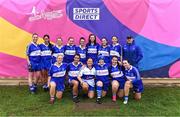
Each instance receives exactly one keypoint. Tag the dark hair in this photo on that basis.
(70, 38)
(105, 39)
(119, 66)
(77, 55)
(46, 35)
(50, 44)
(114, 36)
(82, 38)
(89, 41)
(129, 37)
(89, 58)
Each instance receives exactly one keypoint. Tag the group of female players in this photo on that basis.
(88, 67)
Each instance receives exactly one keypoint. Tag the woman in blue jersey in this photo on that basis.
(118, 79)
(92, 48)
(133, 80)
(34, 63)
(56, 79)
(86, 78)
(81, 49)
(69, 50)
(104, 50)
(102, 79)
(46, 59)
(115, 49)
(57, 49)
(73, 72)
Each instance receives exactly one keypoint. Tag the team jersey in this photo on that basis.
(33, 52)
(69, 52)
(82, 52)
(58, 71)
(87, 74)
(46, 52)
(73, 70)
(102, 72)
(132, 53)
(115, 50)
(92, 51)
(132, 74)
(116, 72)
(56, 50)
(104, 51)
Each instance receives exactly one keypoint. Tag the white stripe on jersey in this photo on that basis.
(87, 71)
(104, 53)
(82, 55)
(92, 50)
(73, 73)
(114, 53)
(102, 72)
(70, 52)
(59, 74)
(130, 77)
(35, 53)
(46, 53)
(116, 74)
(56, 54)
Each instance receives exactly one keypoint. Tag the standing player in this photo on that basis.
(73, 71)
(115, 49)
(81, 49)
(133, 81)
(92, 48)
(56, 79)
(104, 50)
(118, 79)
(86, 78)
(46, 59)
(69, 50)
(102, 79)
(57, 49)
(34, 63)
(132, 52)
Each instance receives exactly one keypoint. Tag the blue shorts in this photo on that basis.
(34, 66)
(138, 86)
(121, 82)
(106, 84)
(60, 86)
(46, 64)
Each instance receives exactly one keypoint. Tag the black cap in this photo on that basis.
(129, 37)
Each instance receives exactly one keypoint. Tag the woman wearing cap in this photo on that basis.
(132, 52)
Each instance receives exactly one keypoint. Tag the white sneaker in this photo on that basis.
(125, 102)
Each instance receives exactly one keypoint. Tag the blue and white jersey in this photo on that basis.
(116, 72)
(58, 71)
(69, 52)
(82, 52)
(56, 50)
(46, 52)
(102, 72)
(132, 74)
(33, 52)
(92, 51)
(73, 70)
(87, 74)
(115, 50)
(105, 52)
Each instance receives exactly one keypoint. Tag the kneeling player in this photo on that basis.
(102, 79)
(118, 79)
(56, 80)
(86, 78)
(73, 71)
(133, 81)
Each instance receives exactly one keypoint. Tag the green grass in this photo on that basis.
(16, 100)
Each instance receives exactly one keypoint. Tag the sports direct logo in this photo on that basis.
(86, 13)
(48, 15)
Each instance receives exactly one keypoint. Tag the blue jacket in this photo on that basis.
(132, 53)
